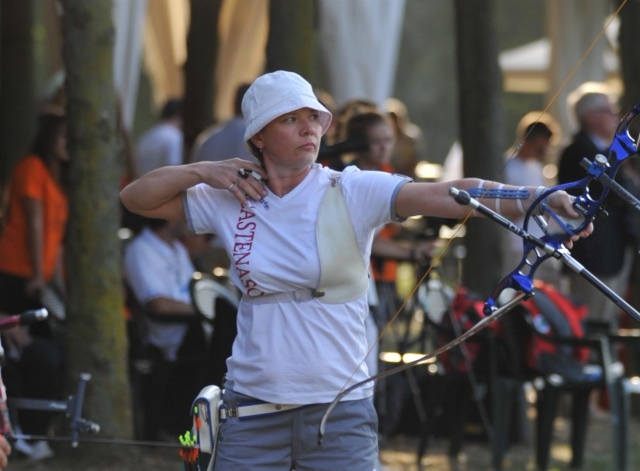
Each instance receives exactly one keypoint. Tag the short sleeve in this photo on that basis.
(29, 176)
(374, 191)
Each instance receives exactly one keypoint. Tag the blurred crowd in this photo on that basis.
(160, 258)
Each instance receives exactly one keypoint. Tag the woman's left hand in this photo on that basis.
(562, 204)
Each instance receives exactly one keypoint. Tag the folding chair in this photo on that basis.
(216, 300)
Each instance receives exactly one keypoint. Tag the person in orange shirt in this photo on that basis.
(36, 217)
(31, 245)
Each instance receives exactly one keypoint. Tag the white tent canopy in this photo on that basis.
(526, 68)
(572, 53)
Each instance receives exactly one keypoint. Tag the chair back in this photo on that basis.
(206, 290)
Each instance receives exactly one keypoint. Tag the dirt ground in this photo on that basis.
(397, 455)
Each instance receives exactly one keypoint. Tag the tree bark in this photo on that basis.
(481, 131)
(199, 71)
(629, 40)
(95, 321)
(291, 39)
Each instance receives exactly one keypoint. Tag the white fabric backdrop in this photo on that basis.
(572, 26)
(128, 19)
(244, 27)
(359, 42)
(154, 33)
(165, 47)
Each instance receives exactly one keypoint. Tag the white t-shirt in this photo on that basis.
(294, 353)
(156, 269)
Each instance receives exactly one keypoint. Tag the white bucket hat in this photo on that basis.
(277, 93)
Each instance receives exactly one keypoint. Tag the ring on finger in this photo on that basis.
(243, 173)
(233, 185)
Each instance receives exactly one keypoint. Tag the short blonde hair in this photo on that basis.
(533, 117)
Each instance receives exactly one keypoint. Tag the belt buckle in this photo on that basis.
(231, 411)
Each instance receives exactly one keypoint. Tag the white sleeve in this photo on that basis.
(376, 191)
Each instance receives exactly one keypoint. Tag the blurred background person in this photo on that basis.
(351, 108)
(535, 135)
(376, 129)
(610, 252)
(162, 144)
(340, 152)
(387, 251)
(158, 269)
(410, 141)
(224, 141)
(329, 103)
(31, 261)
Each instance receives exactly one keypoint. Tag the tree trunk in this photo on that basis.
(96, 325)
(290, 42)
(202, 50)
(17, 90)
(629, 38)
(481, 131)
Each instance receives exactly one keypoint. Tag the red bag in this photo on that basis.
(554, 314)
(465, 312)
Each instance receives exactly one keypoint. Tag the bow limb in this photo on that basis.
(398, 369)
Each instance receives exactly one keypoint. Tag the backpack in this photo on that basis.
(464, 313)
(553, 314)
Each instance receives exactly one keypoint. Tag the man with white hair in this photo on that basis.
(608, 255)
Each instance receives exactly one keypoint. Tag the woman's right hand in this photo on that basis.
(244, 179)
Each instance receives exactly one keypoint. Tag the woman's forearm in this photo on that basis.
(433, 199)
(158, 194)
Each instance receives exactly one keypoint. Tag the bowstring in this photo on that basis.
(440, 253)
